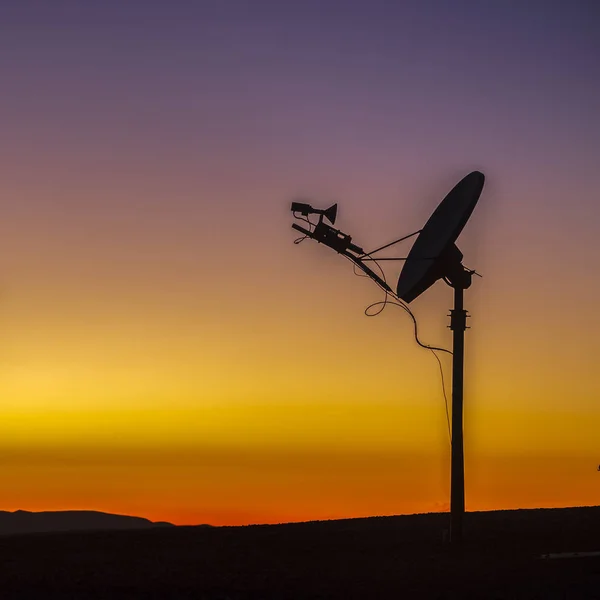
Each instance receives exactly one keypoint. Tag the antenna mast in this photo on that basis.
(433, 256)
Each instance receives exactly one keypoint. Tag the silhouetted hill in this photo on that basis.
(22, 521)
(353, 559)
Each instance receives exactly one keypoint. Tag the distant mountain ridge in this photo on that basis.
(22, 521)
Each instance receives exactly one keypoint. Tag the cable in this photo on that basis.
(433, 349)
(307, 220)
(445, 396)
(386, 291)
(401, 304)
(357, 273)
(303, 218)
(404, 306)
(414, 319)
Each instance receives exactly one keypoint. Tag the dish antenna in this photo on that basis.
(420, 272)
(434, 256)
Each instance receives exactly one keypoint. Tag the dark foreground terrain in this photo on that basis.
(387, 557)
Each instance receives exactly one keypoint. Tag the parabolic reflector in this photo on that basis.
(426, 260)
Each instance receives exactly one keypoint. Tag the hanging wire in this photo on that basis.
(307, 220)
(398, 302)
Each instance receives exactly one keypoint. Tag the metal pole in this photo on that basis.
(458, 321)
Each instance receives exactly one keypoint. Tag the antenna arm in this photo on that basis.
(359, 263)
(306, 232)
(355, 259)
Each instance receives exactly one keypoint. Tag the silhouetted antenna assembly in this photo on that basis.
(433, 256)
(334, 238)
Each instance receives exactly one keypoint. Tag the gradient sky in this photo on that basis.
(167, 351)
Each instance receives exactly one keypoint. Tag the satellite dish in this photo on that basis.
(434, 253)
(433, 256)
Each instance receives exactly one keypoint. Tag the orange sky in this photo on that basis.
(167, 351)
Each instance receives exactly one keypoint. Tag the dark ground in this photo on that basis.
(386, 557)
